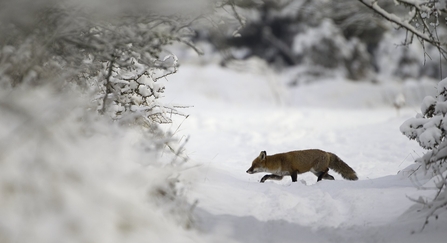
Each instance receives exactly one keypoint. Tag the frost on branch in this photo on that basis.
(131, 56)
(429, 130)
(429, 127)
(421, 21)
(126, 91)
(123, 58)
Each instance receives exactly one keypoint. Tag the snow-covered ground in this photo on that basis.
(237, 114)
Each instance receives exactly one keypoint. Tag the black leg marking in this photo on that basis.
(322, 175)
(294, 176)
(264, 178)
(328, 177)
(270, 177)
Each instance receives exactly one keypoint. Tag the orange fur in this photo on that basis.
(297, 162)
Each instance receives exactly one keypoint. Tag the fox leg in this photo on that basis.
(324, 175)
(271, 177)
(294, 176)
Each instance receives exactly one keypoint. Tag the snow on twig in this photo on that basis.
(424, 36)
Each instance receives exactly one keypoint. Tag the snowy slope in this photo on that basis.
(238, 114)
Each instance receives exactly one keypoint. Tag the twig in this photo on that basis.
(372, 4)
(109, 74)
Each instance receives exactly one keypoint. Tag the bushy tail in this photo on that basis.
(342, 168)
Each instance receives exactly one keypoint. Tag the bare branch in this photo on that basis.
(426, 35)
(107, 85)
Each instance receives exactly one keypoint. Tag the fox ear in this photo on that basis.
(263, 155)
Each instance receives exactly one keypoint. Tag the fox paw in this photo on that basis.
(264, 178)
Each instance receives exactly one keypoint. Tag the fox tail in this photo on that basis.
(342, 168)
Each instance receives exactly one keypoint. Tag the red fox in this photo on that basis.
(298, 162)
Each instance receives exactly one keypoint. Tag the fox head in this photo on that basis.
(258, 164)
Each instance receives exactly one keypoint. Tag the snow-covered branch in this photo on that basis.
(418, 24)
(429, 129)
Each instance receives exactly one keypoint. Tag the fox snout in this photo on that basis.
(250, 170)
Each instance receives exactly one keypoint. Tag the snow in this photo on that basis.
(426, 103)
(430, 137)
(67, 175)
(236, 115)
(442, 86)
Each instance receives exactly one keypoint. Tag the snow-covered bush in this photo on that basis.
(67, 172)
(325, 46)
(69, 175)
(121, 56)
(429, 129)
(269, 29)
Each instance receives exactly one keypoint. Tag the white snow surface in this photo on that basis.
(237, 114)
